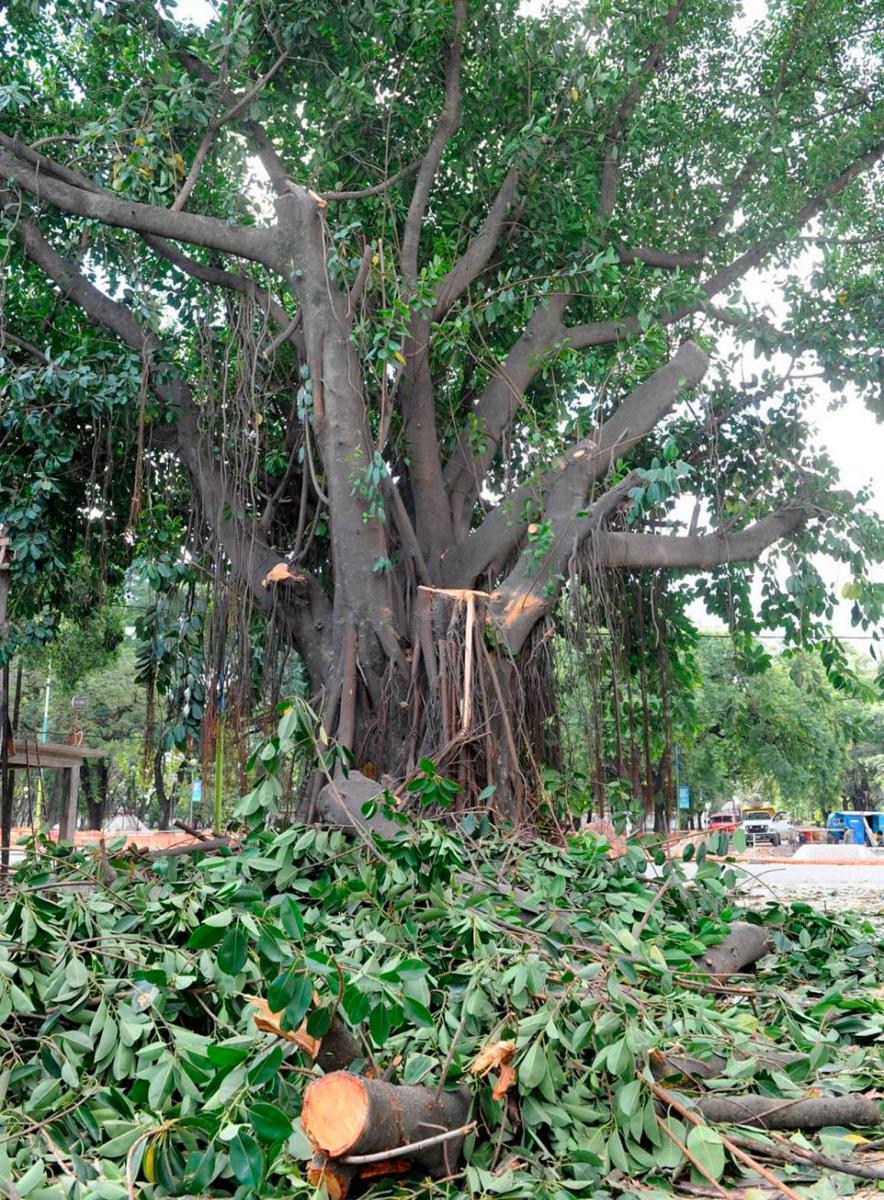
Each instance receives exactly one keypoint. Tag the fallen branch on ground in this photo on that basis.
(768, 1112)
(798, 1154)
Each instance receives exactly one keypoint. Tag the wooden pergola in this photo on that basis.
(29, 754)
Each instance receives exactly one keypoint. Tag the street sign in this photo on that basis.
(196, 792)
(684, 796)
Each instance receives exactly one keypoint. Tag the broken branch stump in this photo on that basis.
(346, 1115)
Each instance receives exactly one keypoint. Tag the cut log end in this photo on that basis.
(335, 1177)
(742, 947)
(335, 1112)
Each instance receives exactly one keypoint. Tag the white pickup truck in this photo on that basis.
(764, 825)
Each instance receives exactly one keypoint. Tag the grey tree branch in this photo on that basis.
(251, 558)
(532, 586)
(502, 396)
(376, 189)
(255, 244)
(219, 277)
(445, 127)
(648, 551)
(214, 128)
(257, 135)
(478, 253)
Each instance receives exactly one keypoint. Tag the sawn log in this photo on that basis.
(773, 1112)
(345, 1115)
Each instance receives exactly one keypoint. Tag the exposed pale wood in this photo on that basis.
(335, 1112)
(346, 1115)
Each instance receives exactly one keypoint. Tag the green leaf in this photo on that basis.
(319, 1021)
(705, 1145)
(302, 998)
(417, 1012)
(205, 936)
(233, 951)
(379, 1024)
(292, 921)
(228, 1055)
(246, 1159)
(533, 1066)
(270, 1123)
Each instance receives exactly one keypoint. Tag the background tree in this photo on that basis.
(773, 732)
(435, 361)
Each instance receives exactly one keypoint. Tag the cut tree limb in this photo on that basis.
(346, 1115)
(744, 945)
(770, 1112)
(789, 1153)
(332, 1174)
(668, 1065)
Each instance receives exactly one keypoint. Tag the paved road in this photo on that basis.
(830, 886)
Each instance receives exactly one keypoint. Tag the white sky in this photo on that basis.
(850, 434)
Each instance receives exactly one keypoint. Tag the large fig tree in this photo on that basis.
(400, 315)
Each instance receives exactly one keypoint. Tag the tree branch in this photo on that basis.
(214, 128)
(194, 65)
(648, 551)
(251, 558)
(495, 407)
(219, 277)
(445, 127)
(502, 396)
(477, 254)
(243, 242)
(532, 586)
(666, 260)
(21, 344)
(376, 189)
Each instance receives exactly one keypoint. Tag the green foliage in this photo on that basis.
(769, 729)
(131, 1057)
(101, 92)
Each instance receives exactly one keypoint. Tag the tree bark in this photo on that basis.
(344, 1115)
(768, 1112)
(742, 947)
(164, 800)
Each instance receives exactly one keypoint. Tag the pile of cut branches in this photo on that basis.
(447, 1013)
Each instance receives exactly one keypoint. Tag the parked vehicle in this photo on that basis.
(765, 825)
(860, 828)
(725, 822)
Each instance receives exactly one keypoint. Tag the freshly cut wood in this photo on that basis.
(773, 1112)
(742, 947)
(336, 1177)
(344, 1114)
(337, 1049)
